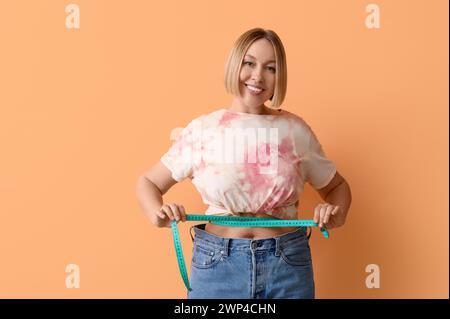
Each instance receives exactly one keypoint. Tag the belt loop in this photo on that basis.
(225, 246)
(277, 246)
(190, 233)
(310, 232)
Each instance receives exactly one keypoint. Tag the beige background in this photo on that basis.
(85, 112)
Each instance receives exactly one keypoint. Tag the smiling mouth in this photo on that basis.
(254, 88)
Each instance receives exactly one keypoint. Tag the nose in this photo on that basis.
(257, 75)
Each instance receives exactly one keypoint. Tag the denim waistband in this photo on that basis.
(245, 243)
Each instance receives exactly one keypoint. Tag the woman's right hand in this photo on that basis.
(169, 212)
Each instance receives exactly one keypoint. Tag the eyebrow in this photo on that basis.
(255, 58)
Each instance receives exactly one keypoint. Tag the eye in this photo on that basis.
(272, 69)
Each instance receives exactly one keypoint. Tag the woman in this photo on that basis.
(234, 262)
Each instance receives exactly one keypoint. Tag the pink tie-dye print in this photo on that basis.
(230, 188)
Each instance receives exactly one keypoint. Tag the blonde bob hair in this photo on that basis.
(236, 56)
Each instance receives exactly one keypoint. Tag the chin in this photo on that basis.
(255, 103)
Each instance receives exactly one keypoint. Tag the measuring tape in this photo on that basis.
(234, 221)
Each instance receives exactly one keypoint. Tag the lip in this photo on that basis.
(251, 92)
(256, 86)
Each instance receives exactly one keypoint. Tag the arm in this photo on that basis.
(337, 193)
(149, 190)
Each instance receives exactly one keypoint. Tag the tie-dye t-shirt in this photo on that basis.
(242, 162)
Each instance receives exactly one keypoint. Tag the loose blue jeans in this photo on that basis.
(239, 268)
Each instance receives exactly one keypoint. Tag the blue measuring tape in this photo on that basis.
(234, 221)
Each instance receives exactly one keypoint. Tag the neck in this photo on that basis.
(239, 106)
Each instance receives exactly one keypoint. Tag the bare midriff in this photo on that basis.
(248, 232)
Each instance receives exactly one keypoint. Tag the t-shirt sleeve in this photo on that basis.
(318, 169)
(179, 158)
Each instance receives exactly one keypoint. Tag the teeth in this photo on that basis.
(255, 89)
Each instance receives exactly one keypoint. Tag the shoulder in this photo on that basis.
(300, 131)
(209, 117)
(200, 120)
(297, 122)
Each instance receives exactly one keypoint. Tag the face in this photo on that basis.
(257, 76)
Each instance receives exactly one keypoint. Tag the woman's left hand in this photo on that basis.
(327, 215)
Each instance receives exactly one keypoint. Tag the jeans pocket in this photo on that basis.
(205, 256)
(296, 252)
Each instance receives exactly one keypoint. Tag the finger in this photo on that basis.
(175, 211)
(330, 209)
(335, 210)
(323, 211)
(160, 213)
(317, 214)
(168, 212)
(325, 217)
(183, 213)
